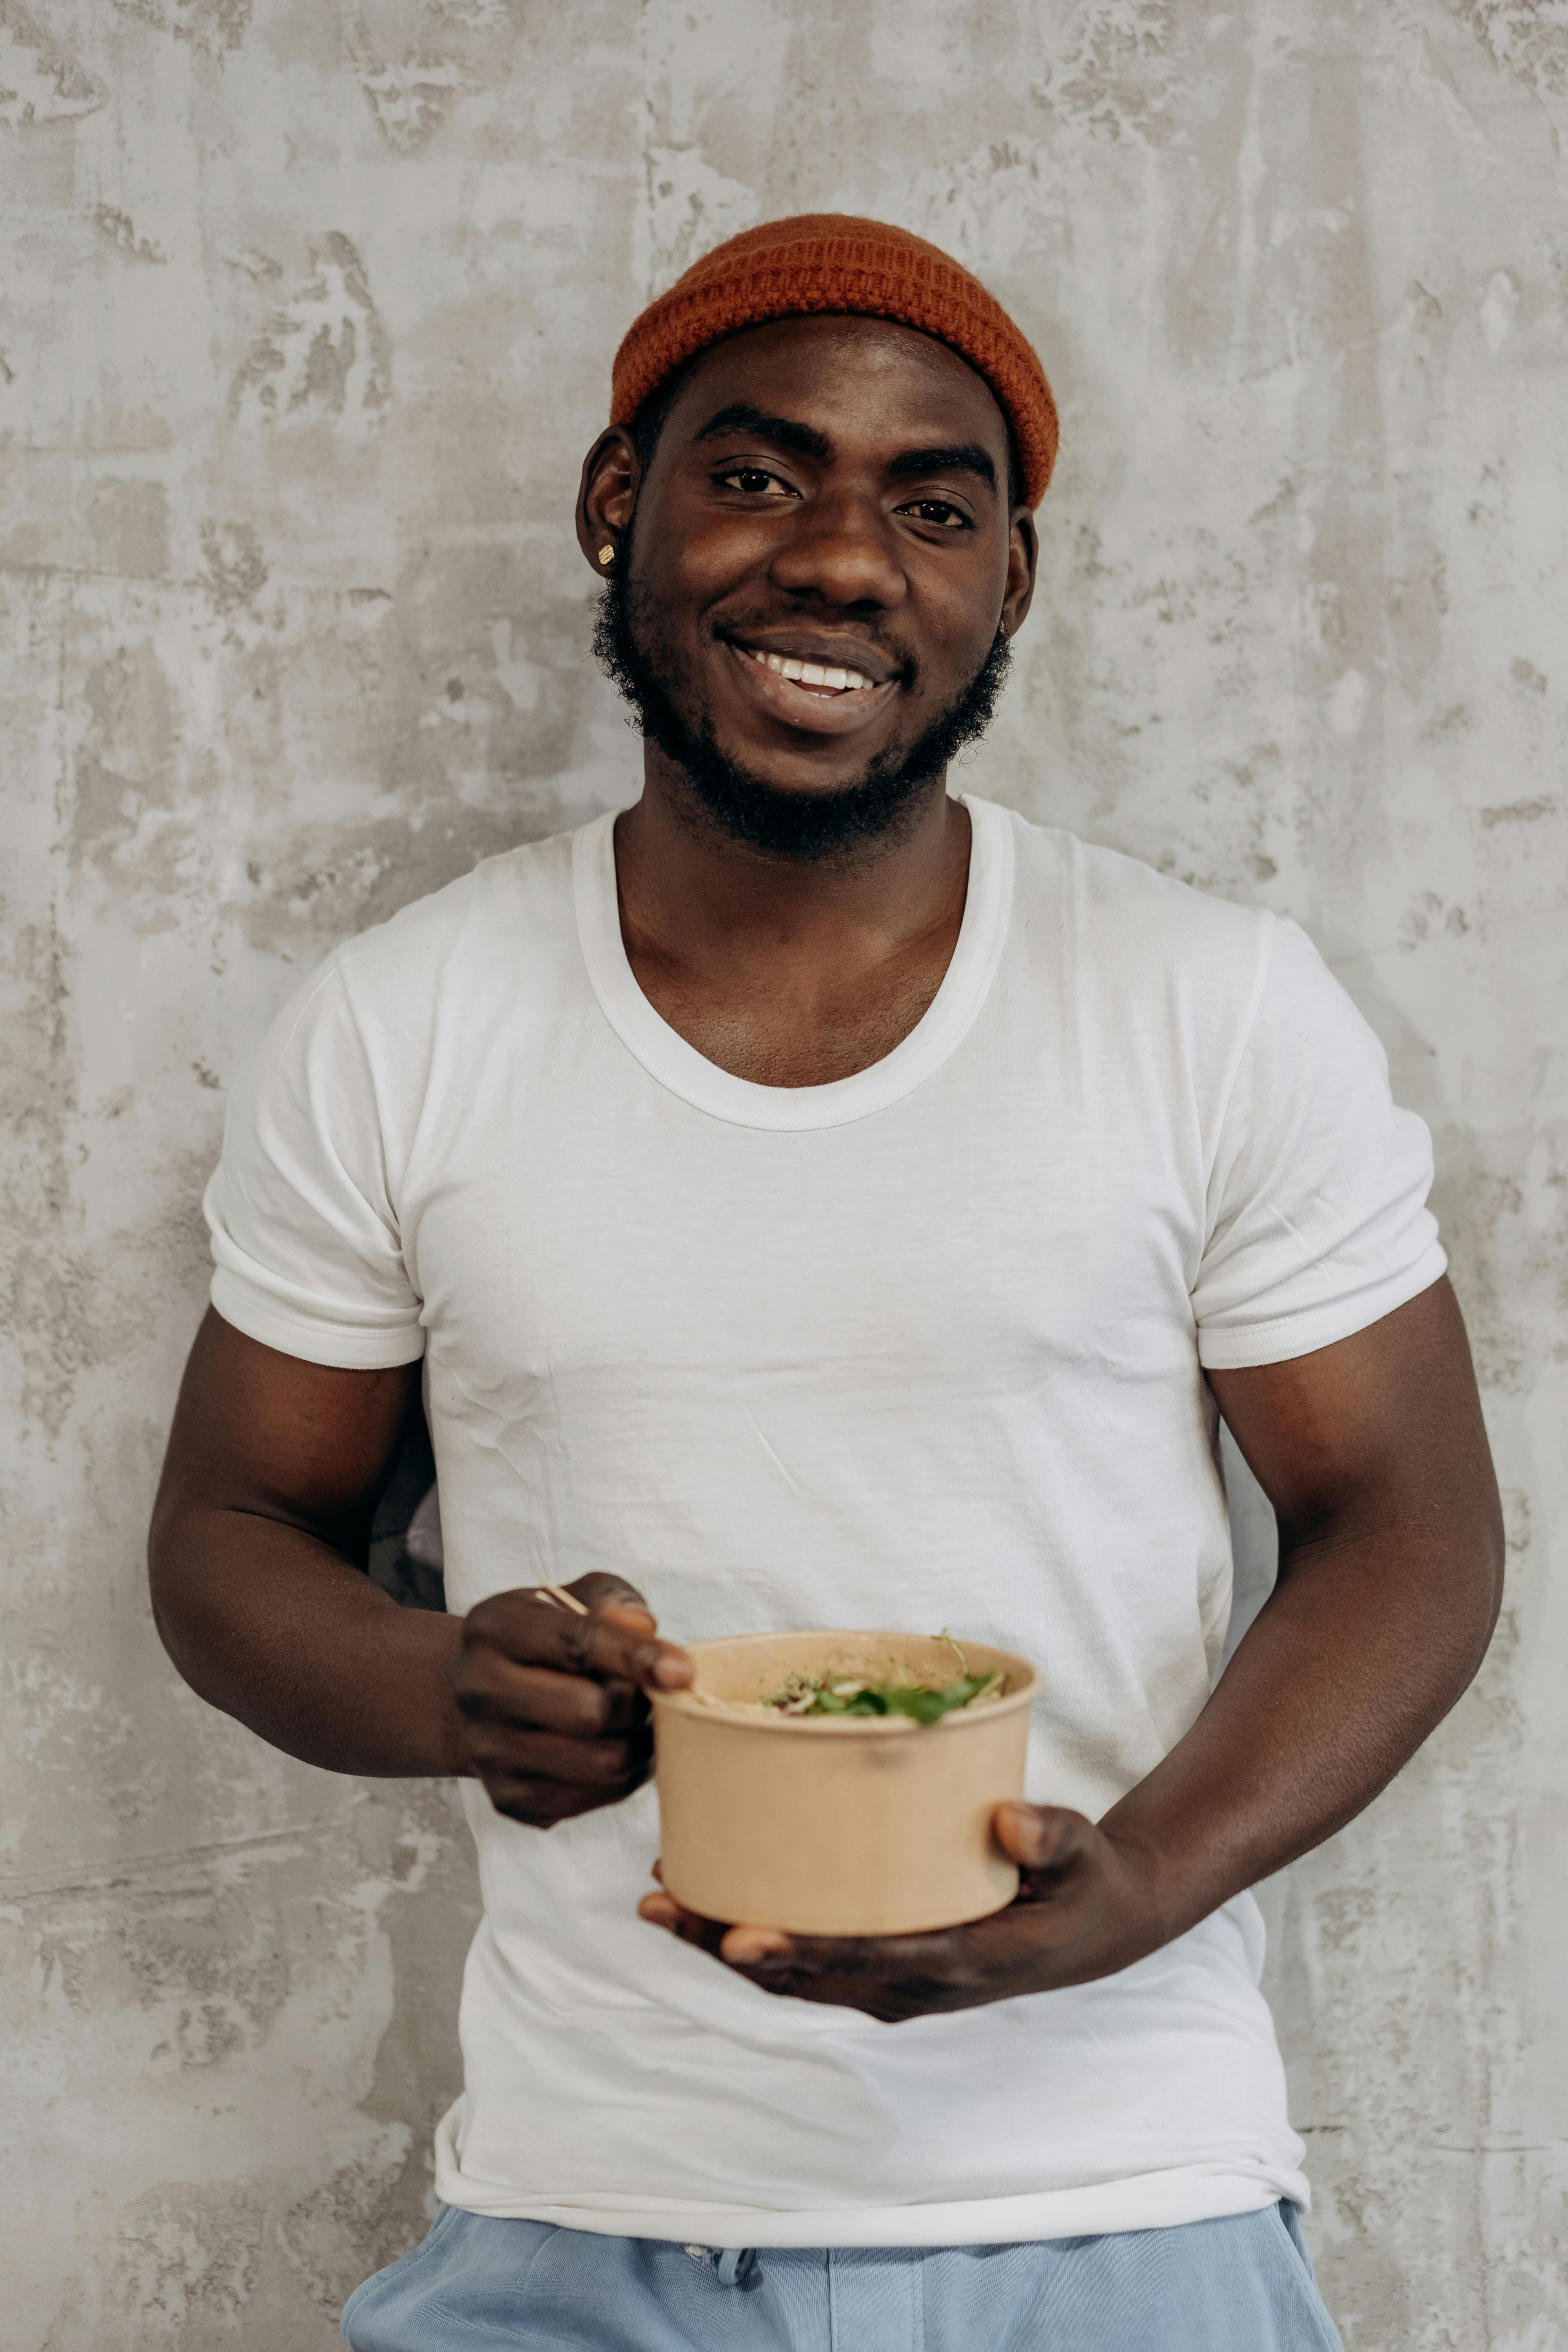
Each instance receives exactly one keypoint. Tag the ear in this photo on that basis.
(607, 496)
(1023, 561)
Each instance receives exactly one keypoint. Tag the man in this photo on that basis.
(819, 1200)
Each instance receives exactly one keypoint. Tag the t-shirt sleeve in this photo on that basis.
(1317, 1222)
(305, 1237)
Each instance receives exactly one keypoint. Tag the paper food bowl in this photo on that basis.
(839, 1825)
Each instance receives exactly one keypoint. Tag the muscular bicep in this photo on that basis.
(1386, 1424)
(260, 1432)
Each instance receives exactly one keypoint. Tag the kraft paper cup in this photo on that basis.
(839, 1825)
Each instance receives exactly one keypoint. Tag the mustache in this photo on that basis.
(758, 621)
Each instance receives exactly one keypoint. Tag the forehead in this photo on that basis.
(854, 380)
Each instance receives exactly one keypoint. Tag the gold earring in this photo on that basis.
(606, 554)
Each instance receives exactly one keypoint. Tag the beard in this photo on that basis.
(805, 825)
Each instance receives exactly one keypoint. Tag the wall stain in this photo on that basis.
(412, 99)
(217, 26)
(1529, 42)
(1116, 79)
(325, 356)
(39, 81)
(237, 570)
(120, 230)
(185, 2261)
(127, 525)
(1518, 813)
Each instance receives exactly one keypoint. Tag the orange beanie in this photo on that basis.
(862, 269)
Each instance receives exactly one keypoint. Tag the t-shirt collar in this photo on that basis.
(667, 1055)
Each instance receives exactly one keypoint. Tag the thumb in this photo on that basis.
(599, 1593)
(1040, 1837)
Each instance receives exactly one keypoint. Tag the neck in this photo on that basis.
(702, 897)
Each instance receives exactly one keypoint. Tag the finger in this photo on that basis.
(1041, 1837)
(671, 1912)
(491, 1688)
(663, 1911)
(599, 1592)
(744, 1947)
(892, 2005)
(597, 1764)
(538, 1632)
(890, 1978)
(849, 1959)
(543, 1804)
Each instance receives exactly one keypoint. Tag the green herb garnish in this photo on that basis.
(847, 1694)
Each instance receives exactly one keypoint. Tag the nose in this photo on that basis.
(842, 553)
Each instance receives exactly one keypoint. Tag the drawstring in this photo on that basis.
(729, 2264)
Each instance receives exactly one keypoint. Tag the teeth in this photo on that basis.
(804, 673)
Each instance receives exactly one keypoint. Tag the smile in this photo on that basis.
(815, 697)
(816, 676)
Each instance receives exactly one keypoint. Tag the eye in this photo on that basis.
(754, 482)
(941, 512)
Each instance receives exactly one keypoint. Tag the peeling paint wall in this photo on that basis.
(306, 312)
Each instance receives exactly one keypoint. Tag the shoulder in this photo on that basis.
(495, 942)
(501, 940)
(1125, 922)
(510, 910)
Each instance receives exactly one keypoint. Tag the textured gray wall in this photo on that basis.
(306, 312)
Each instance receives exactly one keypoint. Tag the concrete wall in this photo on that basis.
(306, 312)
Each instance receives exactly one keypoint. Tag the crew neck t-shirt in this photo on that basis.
(922, 1347)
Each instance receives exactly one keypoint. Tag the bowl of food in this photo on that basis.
(842, 1784)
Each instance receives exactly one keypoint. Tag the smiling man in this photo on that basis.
(818, 1199)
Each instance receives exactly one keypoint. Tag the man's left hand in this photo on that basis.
(1085, 1907)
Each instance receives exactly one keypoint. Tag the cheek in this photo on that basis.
(958, 615)
(957, 620)
(687, 553)
(720, 555)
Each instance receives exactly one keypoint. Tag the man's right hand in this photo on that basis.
(260, 1544)
(550, 1709)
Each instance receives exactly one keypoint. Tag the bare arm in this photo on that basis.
(259, 1538)
(1374, 1456)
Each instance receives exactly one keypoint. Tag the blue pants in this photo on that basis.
(478, 2284)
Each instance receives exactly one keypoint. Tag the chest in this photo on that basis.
(581, 1226)
(785, 1028)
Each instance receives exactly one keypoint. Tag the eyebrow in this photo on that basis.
(962, 457)
(788, 432)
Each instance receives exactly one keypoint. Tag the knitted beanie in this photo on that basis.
(859, 269)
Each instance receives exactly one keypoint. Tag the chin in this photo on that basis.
(812, 817)
(798, 779)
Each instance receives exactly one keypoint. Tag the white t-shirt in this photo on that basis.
(921, 1348)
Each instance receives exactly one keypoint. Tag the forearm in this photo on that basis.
(272, 1624)
(1374, 1452)
(256, 1553)
(1367, 1641)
